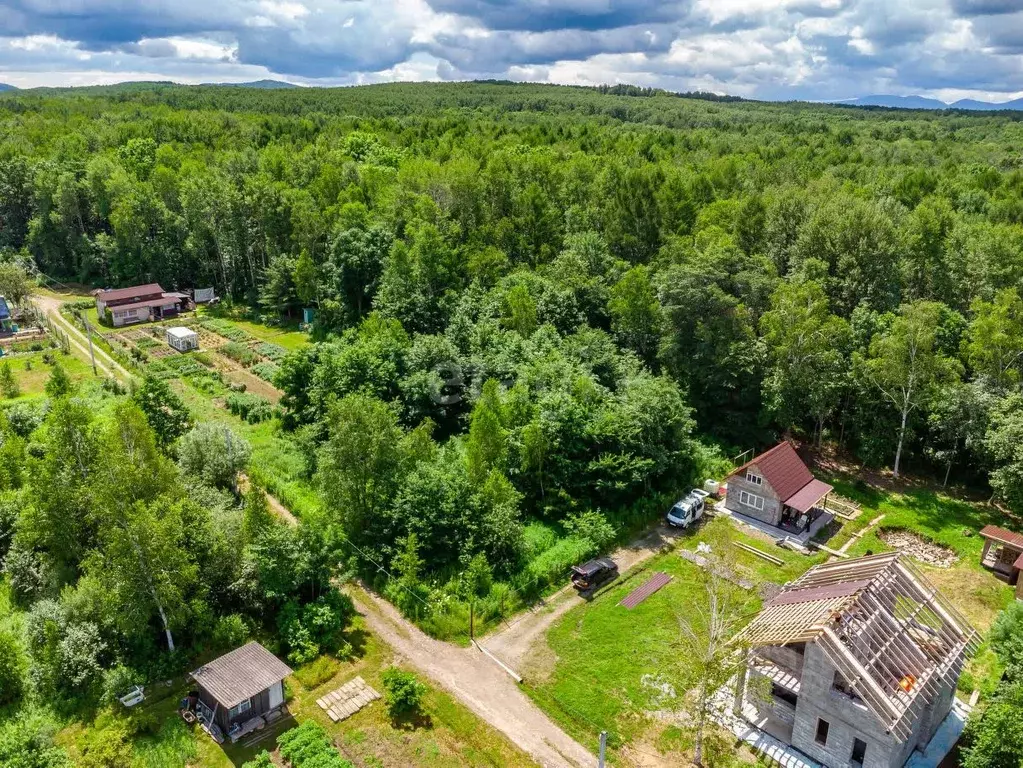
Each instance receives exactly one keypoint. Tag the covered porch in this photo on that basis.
(1003, 552)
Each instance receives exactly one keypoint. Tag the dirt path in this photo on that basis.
(476, 682)
(471, 677)
(275, 505)
(51, 308)
(513, 640)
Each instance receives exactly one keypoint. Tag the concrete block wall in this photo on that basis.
(846, 718)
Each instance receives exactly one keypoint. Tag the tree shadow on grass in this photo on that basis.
(356, 638)
(413, 720)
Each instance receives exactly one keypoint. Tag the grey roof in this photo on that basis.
(241, 674)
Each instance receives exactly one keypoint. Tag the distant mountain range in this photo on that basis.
(264, 84)
(6, 87)
(922, 102)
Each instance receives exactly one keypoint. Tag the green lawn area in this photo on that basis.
(445, 735)
(287, 335)
(31, 371)
(605, 666)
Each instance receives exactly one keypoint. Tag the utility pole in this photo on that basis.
(88, 333)
(603, 748)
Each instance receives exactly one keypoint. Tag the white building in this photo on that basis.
(182, 339)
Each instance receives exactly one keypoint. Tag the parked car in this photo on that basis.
(592, 574)
(690, 509)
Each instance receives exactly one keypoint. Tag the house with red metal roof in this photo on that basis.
(1003, 554)
(777, 488)
(139, 304)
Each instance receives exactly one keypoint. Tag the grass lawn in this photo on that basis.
(288, 336)
(446, 734)
(722, 534)
(605, 665)
(31, 371)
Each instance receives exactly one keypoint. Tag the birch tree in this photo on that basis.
(141, 560)
(708, 642)
(906, 365)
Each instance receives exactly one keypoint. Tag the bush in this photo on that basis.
(404, 692)
(317, 672)
(11, 668)
(229, 632)
(262, 760)
(591, 526)
(26, 741)
(308, 745)
(213, 454)
(240, 353)
(307, 630)
(253, 408)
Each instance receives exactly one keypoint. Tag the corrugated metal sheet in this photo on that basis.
(1013, 539)
(641, 593)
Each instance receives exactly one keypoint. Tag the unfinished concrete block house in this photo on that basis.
(855, 663)
(777, 488)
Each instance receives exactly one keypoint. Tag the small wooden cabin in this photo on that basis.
(240, 691)
(1003, 554)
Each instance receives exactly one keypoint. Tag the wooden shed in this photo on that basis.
(239, 692)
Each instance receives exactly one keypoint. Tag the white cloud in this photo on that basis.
(763, 48)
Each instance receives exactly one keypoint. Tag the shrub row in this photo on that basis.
(225, 329)
(240, 353)
(274, 352)
(265, 371)
(252, 408)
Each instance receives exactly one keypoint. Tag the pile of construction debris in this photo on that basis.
(918, 547)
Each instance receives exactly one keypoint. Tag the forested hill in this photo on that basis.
(597, 254)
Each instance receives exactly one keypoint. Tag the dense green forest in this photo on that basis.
(541, 312)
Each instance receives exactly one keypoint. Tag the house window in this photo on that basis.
(783, 694)
(755, 479)
(241, 708)
(751, 500)
(823, 726)
(859, 752)
(841, 685)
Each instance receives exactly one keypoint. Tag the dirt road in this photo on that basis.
(513, 641)
(50, 306)
(476, 682)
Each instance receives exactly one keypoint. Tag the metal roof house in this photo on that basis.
(855, 663)
(777, 488)
(139, 304)
(1003, 554)
(239, 692)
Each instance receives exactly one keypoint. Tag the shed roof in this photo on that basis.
(890, 633)
(1003, 536)
(136, 291)
(807, 497)
(241, 674)
(180, 332)
(782, 468)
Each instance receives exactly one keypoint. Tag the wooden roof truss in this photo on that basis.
(896, 640)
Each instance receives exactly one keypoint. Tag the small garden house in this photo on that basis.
(1003, 554)
(239, 692)
(182, 339)
(777, 488)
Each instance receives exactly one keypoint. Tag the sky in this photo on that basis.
(767, 49)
